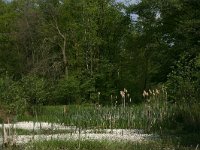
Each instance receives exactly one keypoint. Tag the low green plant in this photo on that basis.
(106, 145)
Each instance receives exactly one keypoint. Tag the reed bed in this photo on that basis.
(147, 116)
(153, 116)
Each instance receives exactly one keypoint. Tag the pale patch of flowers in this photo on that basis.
(83, 134)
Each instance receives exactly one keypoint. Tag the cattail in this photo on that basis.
(157, 91)
(150, 91)
(111, 98)
(154, 93)
(99, 96)
(123, 98)
(65, 109)
(125, 90)
(145, 94)
(122, 93)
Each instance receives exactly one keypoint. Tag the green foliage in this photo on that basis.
(183, 90)
(55, 52)
(106, 145)
(186, 118)
(87, 89)
(67, 91)
(156, 115)
(12, 94)
(24, 94)
(183, 81)
(35, 89)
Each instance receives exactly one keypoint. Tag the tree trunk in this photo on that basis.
(63, 48)
(65, 57)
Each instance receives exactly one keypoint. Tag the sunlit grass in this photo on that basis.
(104, 145)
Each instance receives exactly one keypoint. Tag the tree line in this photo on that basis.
(66, 51)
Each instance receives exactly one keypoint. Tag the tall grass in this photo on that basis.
(156, 114)
(144, 116)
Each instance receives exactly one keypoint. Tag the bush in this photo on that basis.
(66, 91)
(184, 81)
(24, 94)
(183, 88)
(12, 95)
(35, 88)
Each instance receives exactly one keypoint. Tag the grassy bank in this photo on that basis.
(177, 125)
(103, 145)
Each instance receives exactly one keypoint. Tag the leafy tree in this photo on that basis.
(163, 35)
(9, 56)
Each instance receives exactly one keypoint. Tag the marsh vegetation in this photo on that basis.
(103, 73)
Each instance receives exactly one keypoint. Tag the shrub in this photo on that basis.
(183, 87)
(183, 82)
(67, 91)
(35, 88)
(12, 95)
(24, 94)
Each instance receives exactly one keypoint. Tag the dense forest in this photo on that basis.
(56, 52)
